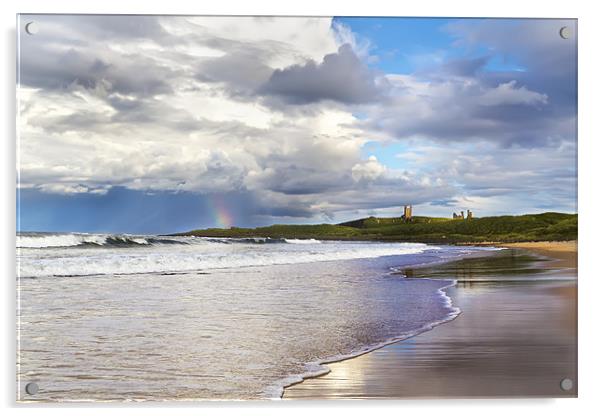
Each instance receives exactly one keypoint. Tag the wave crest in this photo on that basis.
(88, 240)
(48, 240)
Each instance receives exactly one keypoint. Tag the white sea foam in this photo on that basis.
(58, 240)
(47, 240)
(302, 241)
(43, 256)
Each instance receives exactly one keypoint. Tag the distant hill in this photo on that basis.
(550, 226)
(374, 222)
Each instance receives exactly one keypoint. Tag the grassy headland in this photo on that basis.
(550, 226)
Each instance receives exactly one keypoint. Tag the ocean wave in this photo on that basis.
(91, 240)
(57, 240)
(49, 240)
(244, 240)
(302, 241)
(261, 240)
(196, 257)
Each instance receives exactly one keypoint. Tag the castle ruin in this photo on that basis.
(460, 216)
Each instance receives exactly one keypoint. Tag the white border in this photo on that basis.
(590, 216)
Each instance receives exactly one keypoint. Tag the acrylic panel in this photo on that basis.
(218, 207)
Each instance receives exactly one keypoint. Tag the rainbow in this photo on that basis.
(219, 211)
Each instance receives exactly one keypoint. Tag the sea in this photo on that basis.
(116, 317)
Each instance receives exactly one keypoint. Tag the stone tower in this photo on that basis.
(407, 213)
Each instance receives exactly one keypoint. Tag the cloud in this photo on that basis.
(550, 62)
(165, 116)
(464, 66)
(344, 36)
(227, 69)
(66, 28)
(368, 170)
(58, 66)
(467, 109)
(521, 93)
(520, 180)
(509, 94)
(341, 77)
(444, 202)
(278, 111)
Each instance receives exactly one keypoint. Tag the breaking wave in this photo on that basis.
(44, 240)
(49, 240)
(94, 254)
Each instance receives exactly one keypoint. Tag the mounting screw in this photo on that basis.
(566, 384)
(31, 28)
(565, 32)
(31, 388)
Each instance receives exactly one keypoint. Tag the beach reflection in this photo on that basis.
(516, 336)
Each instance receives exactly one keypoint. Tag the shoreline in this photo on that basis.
(382, 369)
(353, 355)
(323, 364)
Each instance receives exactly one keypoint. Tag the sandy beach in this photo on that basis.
(516, 335)
(563, 252)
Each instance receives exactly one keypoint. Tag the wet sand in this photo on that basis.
(516, 336)
(564, 252)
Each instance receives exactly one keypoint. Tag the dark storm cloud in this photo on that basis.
(459, 110)
(242, 70)
(468, 109)
(129, 112)
(52, 69)
(389, 192)
(131, 211)
(80, 121)
(341, 77)
(291, 179)
(506, 125)
(72, 51)
(383, 192)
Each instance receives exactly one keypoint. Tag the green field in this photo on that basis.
(549, 226)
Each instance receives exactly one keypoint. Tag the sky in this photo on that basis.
(158, 124)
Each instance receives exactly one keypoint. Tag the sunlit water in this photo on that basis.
(164, 318)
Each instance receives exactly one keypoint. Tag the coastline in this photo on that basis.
(526, 353)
